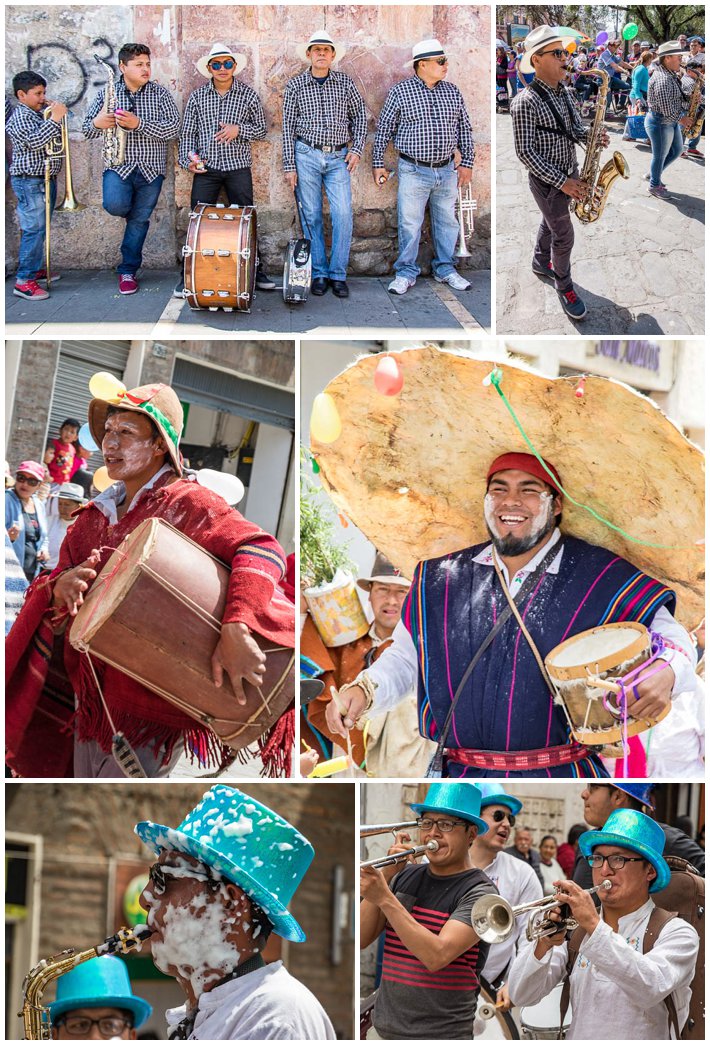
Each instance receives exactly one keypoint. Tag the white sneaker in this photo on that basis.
(453, 280)
(400, 285)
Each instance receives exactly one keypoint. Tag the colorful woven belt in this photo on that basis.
(539, 758)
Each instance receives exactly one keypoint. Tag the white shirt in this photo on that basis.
(264, 1005)
(617, 991)
(676, 746)
(551, 873)
(517, 883)
(108, 501)
(395, 672)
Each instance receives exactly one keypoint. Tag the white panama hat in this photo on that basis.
(535, 42)
(223, 51)
(321, 36)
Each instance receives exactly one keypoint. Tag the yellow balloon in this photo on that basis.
(102, 479)
(326, 425)
(105, 386)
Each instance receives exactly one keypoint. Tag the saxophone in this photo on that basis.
(598, 181)
(114, 146)
(35, 1016)
(694, 109)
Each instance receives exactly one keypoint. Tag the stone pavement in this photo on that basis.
(82, 301)
(639, 269)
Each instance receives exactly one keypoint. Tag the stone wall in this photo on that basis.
(375, 44)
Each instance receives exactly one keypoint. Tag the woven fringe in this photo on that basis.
(276, 746)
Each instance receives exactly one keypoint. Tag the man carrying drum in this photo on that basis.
(461, 626)
(631, 963)
(222, 118)
(139, 434)
(432, 955)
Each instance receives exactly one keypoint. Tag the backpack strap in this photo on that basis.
(573, 945)
(660, 918)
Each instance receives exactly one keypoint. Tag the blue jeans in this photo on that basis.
(316, 170)
(31, 218)
(133, 199)
(693, 143)
(437, 186)
(666, 145)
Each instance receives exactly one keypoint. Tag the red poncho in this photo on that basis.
(39, 708)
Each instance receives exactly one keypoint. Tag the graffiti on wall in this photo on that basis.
(71, 75)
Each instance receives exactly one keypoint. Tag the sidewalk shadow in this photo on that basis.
(692, 207)
(617, 320)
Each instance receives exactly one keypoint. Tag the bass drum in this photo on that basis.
(220, 258)
(490, 1023)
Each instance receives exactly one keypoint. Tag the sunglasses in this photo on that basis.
(439, 61)
(558, 52)
(228, 63)
(499, 816)
(29, 479)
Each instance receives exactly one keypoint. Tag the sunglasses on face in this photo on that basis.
(228, 63)
(160, 872)
(558, 52)
(439, 61)
(501, 814)
(29, 479)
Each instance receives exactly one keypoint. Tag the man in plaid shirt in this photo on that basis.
(323, 111)
(147, 112)
(221, 120)
(546, 128)
(427, 118)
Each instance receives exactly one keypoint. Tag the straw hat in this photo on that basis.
(669, 48)
(220, 51)
(158, 402)
(535, 42)
(321, 36)
(410, 470)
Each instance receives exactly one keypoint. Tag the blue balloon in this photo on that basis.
(86, 439)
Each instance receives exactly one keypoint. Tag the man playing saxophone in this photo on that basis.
(546, 129)
(36, 145)
(693, 87)
(145, 112)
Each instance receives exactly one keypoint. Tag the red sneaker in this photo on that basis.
(30, 290)
(41, 276)
(127, 283)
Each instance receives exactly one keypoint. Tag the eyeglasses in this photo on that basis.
(109, 1026)
(499, 815)
(445, 826)
(159, 872)
(439, 61)
(228, 63)
(616, 861)
(558, 52)
(29, 479)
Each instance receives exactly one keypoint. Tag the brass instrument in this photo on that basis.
(114, 145)
(466, 210)
(399, 858)
(35, 1015)
(694, 109)
(598, 181)
(493, 918)
(384, 829)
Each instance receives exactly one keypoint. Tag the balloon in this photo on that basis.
(571, 46)
(86, 439)
(223, 483)
(388, 377)
(630, 30)
(132, 910)
(102, 480)
(105, 386)
(601, 38)
(326, 425)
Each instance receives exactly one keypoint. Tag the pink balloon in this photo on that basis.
(388, 377)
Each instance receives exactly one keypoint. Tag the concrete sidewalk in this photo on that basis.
(82, 301)
(640, 269)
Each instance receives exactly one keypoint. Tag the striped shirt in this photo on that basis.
(30, 133)
(206, 109)
(427, 123)
(147, 145)
(328, 113)
(547, 154)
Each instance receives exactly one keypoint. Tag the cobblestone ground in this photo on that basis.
(639, 269)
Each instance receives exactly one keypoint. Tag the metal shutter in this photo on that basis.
(234, 395)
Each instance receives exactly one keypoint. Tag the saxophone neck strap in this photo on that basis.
(547, 101)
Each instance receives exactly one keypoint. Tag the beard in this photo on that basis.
(543, 523)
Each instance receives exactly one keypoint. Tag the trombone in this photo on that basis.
(56, 150)
(384, 829)
(400, 858)
(493, 918)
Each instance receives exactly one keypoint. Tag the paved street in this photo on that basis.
(81, 301)
(639, 269)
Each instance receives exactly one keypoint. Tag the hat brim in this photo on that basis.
(366, 582)
(513, 804)
(139, 1008)
(437, 438)
(240, 63)
(422, 807)
(590, 839)
(158, 837)
(98, 412)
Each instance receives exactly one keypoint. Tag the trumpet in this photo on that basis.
(400, 858)
(53, 150)
(384, 829)
(493, 918)
(466, 210)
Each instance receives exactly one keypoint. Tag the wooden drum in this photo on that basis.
(579, 669)
(220, 257)
(154, 612)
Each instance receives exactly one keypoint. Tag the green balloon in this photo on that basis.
(629, 31)
(134, 913)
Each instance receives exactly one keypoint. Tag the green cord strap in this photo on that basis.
(494, 378)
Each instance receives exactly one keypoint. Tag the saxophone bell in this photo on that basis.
(599, 181)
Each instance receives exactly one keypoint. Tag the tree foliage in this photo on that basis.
(659, 22)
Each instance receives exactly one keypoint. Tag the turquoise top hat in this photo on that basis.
(459, 799)
(632, 830)
(100, 983)
(496, 795)
(641, 792)
(248, 844)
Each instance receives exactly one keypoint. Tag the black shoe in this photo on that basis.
(263, 281)
(319, 285)
(545, 273)
(573, 306)
(178, 291)
(340, 288)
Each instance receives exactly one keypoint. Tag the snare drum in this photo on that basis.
(154, 613)
(541, 1022)
(578, 668)
(220, 258)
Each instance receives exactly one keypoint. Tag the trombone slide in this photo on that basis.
(399, 858)
(367, 831)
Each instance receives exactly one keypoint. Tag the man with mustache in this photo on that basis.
(458, 629)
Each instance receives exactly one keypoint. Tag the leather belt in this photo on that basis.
(423, 163)
(538, 758)
(324, 148)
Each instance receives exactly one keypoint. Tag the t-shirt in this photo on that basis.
(66, 461)
(413, 1002)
